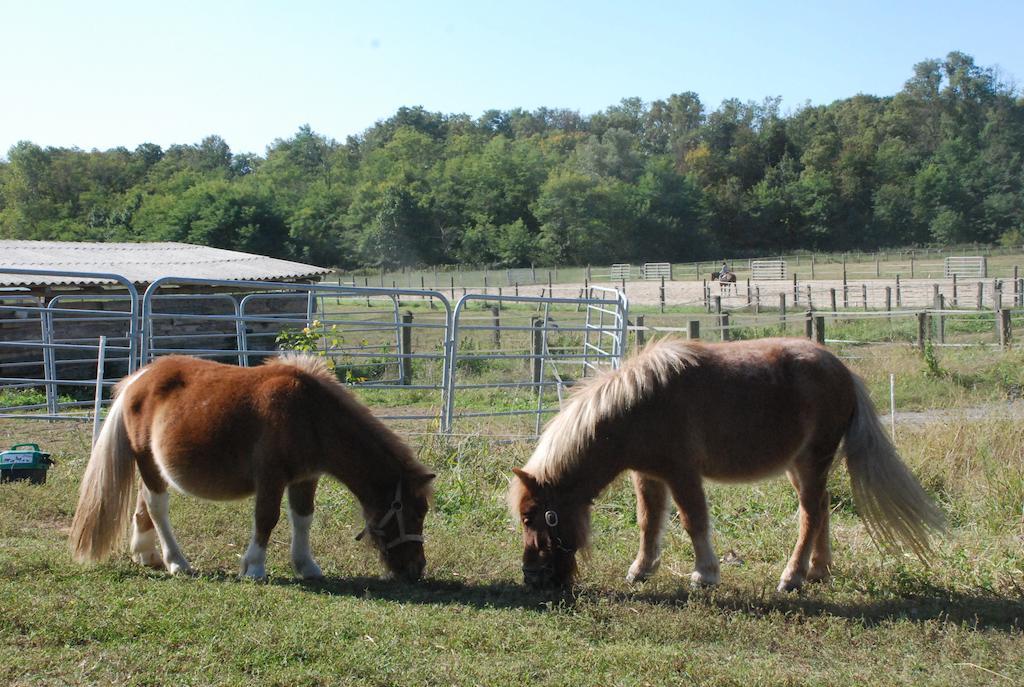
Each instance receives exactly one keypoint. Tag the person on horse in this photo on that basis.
(724, 271)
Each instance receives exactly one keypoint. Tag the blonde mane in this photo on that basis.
(603, 397)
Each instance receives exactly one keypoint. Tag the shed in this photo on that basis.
(38, 318)
(140, 263)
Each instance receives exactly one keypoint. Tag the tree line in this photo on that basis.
(939, 162)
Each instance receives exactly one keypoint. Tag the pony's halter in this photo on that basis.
(378, 529)
(551, 520)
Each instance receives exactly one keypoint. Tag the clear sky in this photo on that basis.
(104, 74)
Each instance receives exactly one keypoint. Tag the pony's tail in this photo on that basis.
(104, 500)
(895, 508)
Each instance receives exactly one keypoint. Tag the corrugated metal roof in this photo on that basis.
(141, 263)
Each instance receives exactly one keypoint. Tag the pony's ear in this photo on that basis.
(527, 479)
(424, 479)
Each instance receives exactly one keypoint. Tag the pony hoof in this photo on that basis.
(823, 575)
(791, 585)
(176, 568)
(309, 571)
(640, 573)
(703, 579)
(256, 573)
(149, 560)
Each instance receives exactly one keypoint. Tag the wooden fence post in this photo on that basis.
(661, 293)
(1005, 328)
(888, 302)
(940, 323)
(693, 330)
(819, 329)
(899, 293)
(956, 296)
(757, 300)
(981, 295)
(864, 295)
(406, 347)
(922, 329)
(641, 337)
(495, 312)
(782, 310)
(809, 324)
(832, 299)
(538, 349)
(723, 322)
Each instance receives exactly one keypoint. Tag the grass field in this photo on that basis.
(470, 622)
(881, 620)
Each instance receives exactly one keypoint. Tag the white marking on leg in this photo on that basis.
(254, 562)
(143, 549)
(302, 555)
(706, 573)
(158, 513)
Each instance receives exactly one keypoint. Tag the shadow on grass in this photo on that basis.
(927, 603)
(973, 610)
(436, 592)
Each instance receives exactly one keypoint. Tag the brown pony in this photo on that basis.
(223, 432)
(659, 415)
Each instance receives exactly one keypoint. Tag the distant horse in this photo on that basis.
(661, 415)
(223, 432)
(725, 281)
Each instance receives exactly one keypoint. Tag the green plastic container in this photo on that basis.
(24, 461)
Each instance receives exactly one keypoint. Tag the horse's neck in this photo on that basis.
(588, 476)
(367, 472)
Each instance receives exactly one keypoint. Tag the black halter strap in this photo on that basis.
(378, 529)
(551, 520)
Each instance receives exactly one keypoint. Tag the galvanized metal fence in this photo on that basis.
(535, 348)
(47, 366)
(413, 365)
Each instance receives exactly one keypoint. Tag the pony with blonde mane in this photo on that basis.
(224, 432)
(660, 416)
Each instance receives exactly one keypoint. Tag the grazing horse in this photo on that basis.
(725, 281)
(224, 432)
(660, 415)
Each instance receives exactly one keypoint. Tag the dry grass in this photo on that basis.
(880, 621)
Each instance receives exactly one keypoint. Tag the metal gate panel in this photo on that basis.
(394, 359)
(515, 356)
(74, 334)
